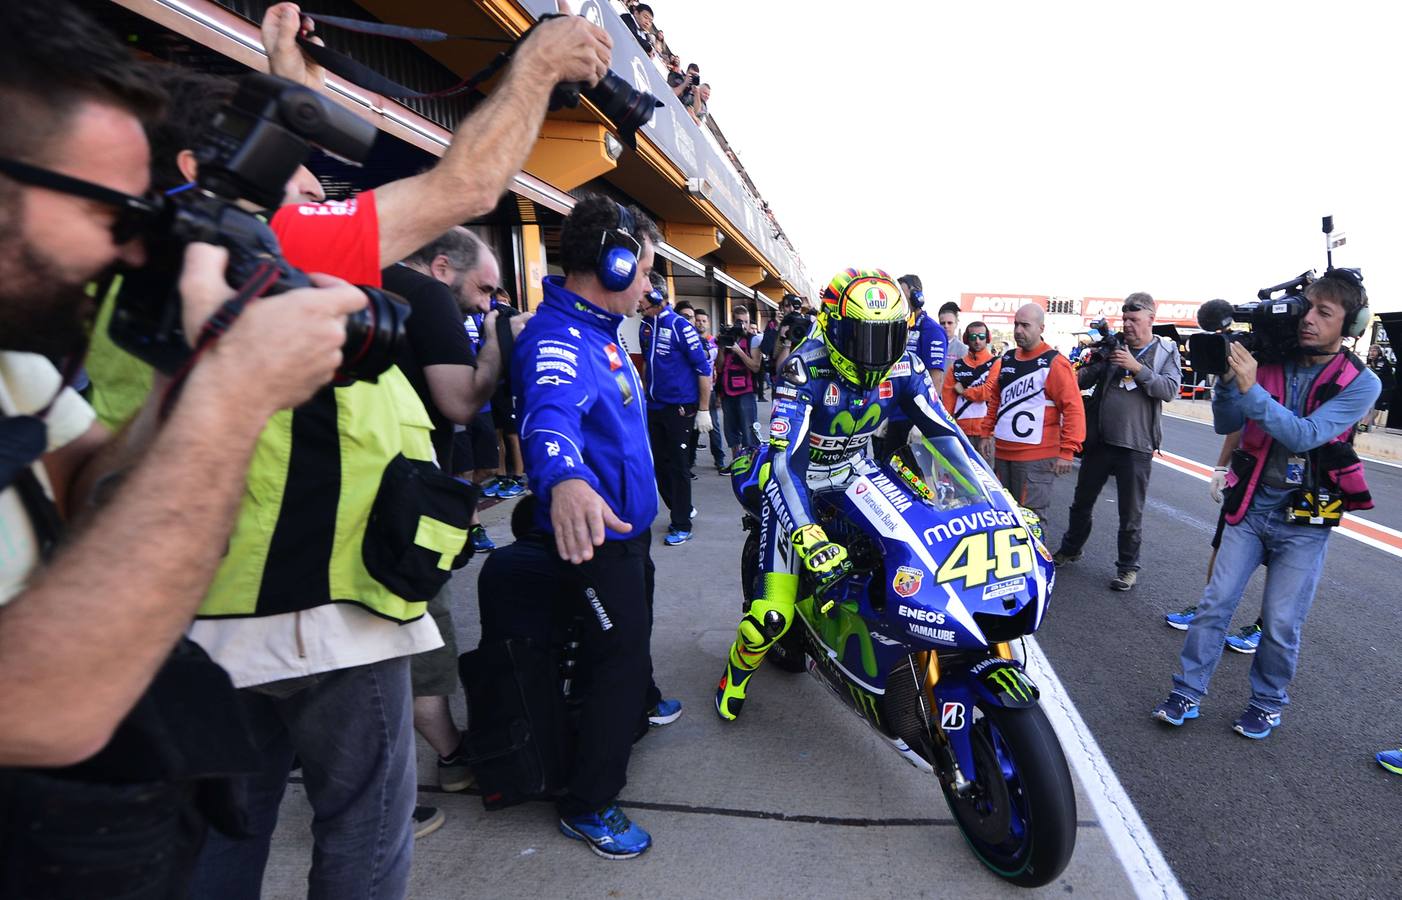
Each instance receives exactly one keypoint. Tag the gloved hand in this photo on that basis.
(1219, 481)
(825, 560)
(703, 421)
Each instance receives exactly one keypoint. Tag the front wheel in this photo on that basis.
(1019, 816)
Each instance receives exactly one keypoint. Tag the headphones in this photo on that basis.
(618, 253)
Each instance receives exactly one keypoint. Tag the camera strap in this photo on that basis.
(363, 76)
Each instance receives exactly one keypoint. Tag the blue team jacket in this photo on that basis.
(928, 342)
(583, 413)
(675, 356)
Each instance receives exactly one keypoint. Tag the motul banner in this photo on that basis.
(998, 304)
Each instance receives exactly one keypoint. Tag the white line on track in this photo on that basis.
(1129, 837)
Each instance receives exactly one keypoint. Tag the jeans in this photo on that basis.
(715, 438)
(741, 416)
(1294, 558)
(353, 732)
(1131, 469)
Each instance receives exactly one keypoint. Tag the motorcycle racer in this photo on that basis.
(840, 384)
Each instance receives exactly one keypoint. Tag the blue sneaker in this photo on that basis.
(1391, 760)
(491, 487)
(509, 488)
(1256, 723)
(675, 537)
(1181, 619)
(664, 713)
(1176, 710)
(1246, 640)
(608, 832)
(481, 542)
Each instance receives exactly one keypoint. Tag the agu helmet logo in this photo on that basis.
(876, 298)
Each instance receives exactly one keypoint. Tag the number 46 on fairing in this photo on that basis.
(974, 560)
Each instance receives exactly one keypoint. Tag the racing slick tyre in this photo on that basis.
(787, 652)
(1020, 815)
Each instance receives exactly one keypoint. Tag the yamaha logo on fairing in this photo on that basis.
(938, 635)
(891, 491)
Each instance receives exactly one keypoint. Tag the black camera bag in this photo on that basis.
(412, 490)
(516, 734)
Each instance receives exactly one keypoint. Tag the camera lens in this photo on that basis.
(374, 336)
(627, 108)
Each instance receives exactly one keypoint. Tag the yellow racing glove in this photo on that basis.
(826, 561)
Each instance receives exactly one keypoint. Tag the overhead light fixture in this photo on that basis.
(612, 146)
(699, 187)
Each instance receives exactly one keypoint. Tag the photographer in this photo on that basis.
(739, 361)
(1293, 476)
(790, 332)
(583, 427)
(112, 803)
(1132, 379)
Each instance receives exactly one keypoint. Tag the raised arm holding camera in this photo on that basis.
(1291, 480)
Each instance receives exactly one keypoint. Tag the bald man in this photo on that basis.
(1034, 417)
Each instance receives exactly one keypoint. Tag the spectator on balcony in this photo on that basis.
(698, 108)
(639, 21)
(687, 94)
(676, 78)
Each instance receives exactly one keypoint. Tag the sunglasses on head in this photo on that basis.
(134, 214)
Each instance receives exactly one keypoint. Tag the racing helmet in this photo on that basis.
(863, 321)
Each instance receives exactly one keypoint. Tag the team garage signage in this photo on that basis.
(1000, 309)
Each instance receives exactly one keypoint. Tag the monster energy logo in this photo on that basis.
(843, 423)
(1013, 683)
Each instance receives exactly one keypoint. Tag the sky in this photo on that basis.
(1075, 149)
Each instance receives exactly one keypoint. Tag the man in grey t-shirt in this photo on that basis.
(1123, 429)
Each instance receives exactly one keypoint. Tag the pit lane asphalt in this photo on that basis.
(1305, 813)
(799, 799)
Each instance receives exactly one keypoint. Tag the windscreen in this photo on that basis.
(940, 472)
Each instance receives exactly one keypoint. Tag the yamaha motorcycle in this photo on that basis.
(947, 572)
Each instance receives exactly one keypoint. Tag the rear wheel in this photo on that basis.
(787, 652)
(1019, 816)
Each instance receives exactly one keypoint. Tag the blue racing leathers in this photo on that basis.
(675, 356)
(821, 426)
(583, 414)
(928, 341)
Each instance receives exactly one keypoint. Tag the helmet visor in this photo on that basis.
(871, 345)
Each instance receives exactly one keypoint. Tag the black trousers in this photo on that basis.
(1130, 469)
(669, 432)
(524, 587)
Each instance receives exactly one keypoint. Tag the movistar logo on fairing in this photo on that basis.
(988, 518)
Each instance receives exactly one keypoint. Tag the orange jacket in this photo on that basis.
(1064, 427)
(972, 427)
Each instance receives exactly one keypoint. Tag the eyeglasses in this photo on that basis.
(134, 214)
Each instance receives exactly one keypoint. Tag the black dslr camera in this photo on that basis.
(1274, 319)
(1109, 342)
(728, 335)
(249, 152)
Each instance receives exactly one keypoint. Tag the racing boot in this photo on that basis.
(764, 624)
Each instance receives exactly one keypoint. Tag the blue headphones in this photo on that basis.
(618, 253)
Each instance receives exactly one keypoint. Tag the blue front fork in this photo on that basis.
(992, 681)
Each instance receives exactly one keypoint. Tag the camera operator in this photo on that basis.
(1132, 382)
(739, 362)
(1294, 475)
(790, 331)
(677, 376)
(111, 803)
(583, 430)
